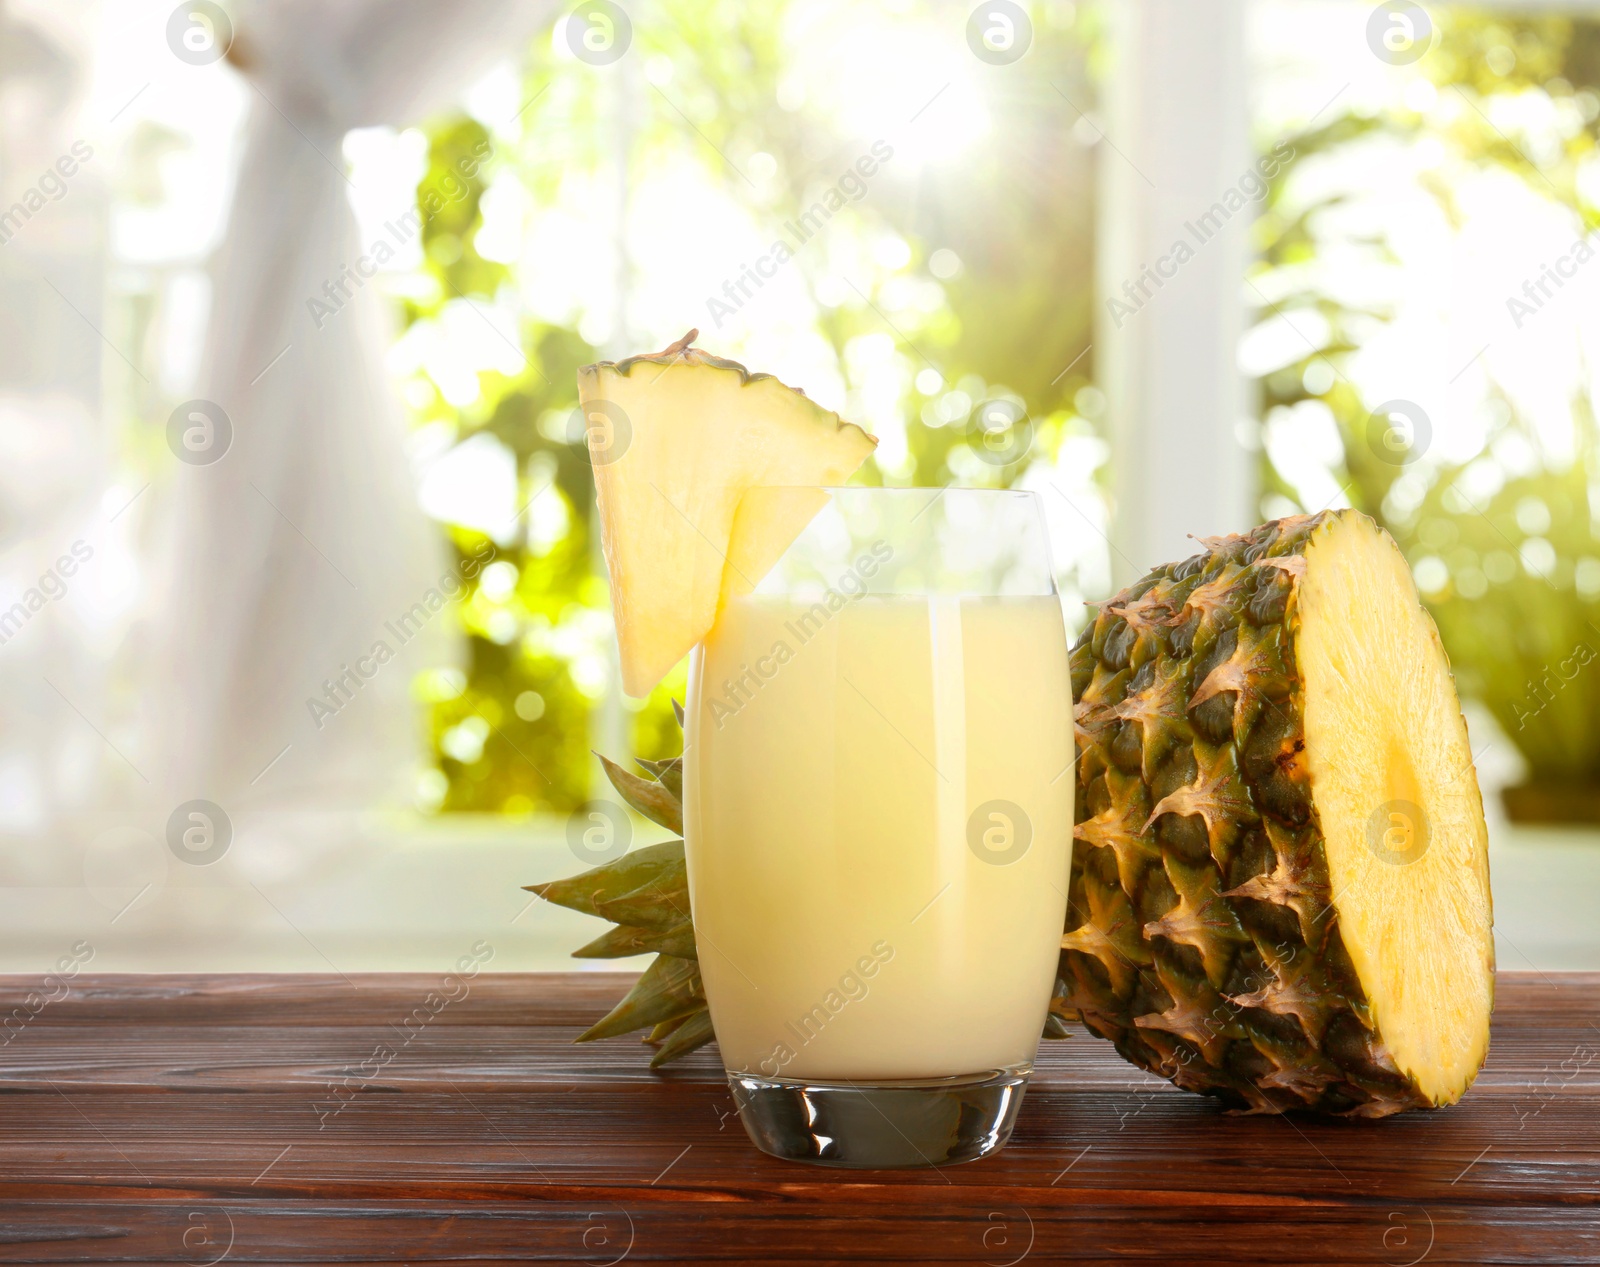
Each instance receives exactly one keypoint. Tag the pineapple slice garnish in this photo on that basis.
(676, 439)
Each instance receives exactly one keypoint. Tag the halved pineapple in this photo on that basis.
(1281, 893)
(676, 440)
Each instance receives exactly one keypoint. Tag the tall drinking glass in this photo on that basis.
(879, 823)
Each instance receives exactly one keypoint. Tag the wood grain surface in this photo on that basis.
(312, 1119)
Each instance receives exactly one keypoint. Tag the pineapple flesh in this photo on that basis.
(1280, 893)
(676, 439)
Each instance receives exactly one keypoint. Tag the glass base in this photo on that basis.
(881, 1125)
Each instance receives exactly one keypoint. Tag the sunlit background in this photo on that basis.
(1391, 355)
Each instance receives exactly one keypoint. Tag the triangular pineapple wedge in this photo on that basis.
(676, 439)
(764, 526)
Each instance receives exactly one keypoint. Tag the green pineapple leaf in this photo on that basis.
(669, 988)
(624, 940)
(667, 773)
(617, 943)
(655, 802)
(661, 905)
(629, 873)
(693, 1031)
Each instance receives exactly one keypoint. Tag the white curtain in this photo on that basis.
(52, 455)
(293, 555)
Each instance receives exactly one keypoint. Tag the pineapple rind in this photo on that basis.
(681, 351)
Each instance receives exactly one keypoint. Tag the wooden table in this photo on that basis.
(185, 1119)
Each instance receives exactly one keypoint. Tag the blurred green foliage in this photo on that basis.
(512, 734)
(1503, 544)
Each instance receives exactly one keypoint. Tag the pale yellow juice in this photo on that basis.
(862, 908)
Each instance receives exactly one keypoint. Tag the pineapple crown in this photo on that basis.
(645, 894)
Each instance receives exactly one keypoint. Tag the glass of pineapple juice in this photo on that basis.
(878, 823)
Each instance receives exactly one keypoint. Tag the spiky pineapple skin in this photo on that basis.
(1202, 939)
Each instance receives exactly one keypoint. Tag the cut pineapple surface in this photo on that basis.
(1392, 779)
(1280, 891)
(677, 438)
